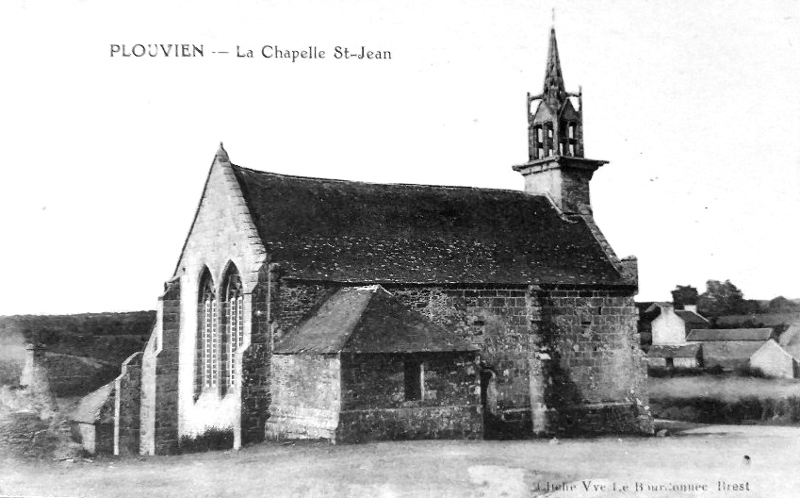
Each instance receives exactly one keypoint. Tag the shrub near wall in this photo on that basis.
(212, 439)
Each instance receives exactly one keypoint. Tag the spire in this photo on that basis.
(222, 155)
(554, 92)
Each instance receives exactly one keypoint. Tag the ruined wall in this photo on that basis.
(374, 405)
(306, 396)
(127, 406)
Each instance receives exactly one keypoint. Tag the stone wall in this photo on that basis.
(223, 237)
(127, 406)
(503, 322)
(564, 347)
(166, 371)
(374, 404)
(306, 397)
(293, 301)
(256, 361)
(596, 367)
(147, 413)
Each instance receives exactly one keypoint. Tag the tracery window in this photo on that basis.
(209, 332)
(233, 334)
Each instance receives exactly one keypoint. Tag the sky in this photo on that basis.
(694, 105)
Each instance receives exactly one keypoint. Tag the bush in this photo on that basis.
(660, 372)
(213, 439)
(749, 371)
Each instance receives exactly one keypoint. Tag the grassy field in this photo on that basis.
(700, 456)
(726, 399)
(723, 387)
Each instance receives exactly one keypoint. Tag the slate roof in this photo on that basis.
(344, 231)
(793, 350)
(691, 317)
(716, 335)
(766, 320)
(790, 336)
(676, 351)
(729, 354)
(90, 408)
(367, 320)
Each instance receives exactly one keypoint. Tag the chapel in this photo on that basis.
(349, 311)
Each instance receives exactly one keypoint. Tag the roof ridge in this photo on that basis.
(342, 180)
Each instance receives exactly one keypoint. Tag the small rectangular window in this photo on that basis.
(414, 380)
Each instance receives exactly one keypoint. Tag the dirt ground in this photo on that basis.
(751, 461)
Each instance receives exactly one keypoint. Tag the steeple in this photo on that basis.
(556, 167)
(553, 93)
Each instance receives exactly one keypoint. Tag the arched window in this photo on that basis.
(233, 327)
(207, 374)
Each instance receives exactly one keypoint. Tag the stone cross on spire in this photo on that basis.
(222, 154)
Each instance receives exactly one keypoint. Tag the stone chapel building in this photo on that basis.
(318, 308)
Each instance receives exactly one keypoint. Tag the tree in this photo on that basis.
(721, 298)
(782, 305)
(683, 295)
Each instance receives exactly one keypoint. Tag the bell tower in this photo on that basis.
(556, 167)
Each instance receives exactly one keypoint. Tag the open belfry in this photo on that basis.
(348, 311)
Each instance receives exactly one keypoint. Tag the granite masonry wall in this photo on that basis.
(569, 351)
(127, 406)
(596, 368)
(306, 397)
(374, 404)
(256, 362)
(222, 240)
(166, 372)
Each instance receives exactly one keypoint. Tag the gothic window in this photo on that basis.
(208, 334)
(233, 327)
(414, 380)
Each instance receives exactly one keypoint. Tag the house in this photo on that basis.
(371, 368)
(775, 360)
(729, 349)
(92, 420)
(675, 356)
(780, 358)
(791, 335)
(521, 294)
(670, 326)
